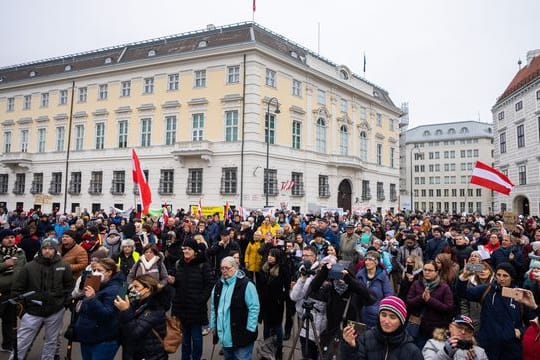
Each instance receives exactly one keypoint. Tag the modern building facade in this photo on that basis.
(441, 159)
(198, 108)
(516, 119)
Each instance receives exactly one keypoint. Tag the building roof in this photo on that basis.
(211, 37)
(524, 76)
(449, 131)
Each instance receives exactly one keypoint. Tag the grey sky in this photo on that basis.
(449, 59)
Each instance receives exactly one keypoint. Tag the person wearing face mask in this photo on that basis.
(141, 317)
(388, 340)
(97, 322)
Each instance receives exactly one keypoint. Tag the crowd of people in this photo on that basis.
(392, 286)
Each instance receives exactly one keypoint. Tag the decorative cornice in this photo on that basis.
(80, 114)
(24, 120)
(297, 110)
(197, 101)
(123, 110)
(231, 98)
(42, 119)
(146, 107)
(8, 122)
(100, 112)
(170, 104)
(60, 117)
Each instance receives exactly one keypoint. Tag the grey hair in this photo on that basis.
(230, 261)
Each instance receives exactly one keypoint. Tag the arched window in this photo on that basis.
(343, 140)
(363, 146)
(427, 133)
(438, 132)
(464, 130)
(321, 135)
(451, 131)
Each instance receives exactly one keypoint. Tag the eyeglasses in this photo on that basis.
(429, 270)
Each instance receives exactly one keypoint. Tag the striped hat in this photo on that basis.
(394, 305)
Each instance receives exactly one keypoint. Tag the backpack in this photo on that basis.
(173, 335)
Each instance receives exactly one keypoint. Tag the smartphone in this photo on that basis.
(464, 344)
(409, 269)
(123, 291)
(514, 293)
(281, 242)
(336, 272)
(93, 281)
(360, 328)
(475, 267)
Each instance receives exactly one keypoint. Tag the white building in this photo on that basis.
(195, 108)
(516, 118)
(441, 159)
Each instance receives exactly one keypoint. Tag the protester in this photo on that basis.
(128, 257)
(73, 254)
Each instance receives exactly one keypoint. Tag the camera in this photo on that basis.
(308, 305)
(464, 344)
(305, 268)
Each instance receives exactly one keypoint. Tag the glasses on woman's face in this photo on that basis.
(226, 268)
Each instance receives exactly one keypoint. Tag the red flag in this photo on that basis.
(254, 6)
(227, 208)
(490, 178)
(165, 216)
(199, 208)
(139, 179)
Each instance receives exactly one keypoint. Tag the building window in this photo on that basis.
(25, 134)
(42, 135)
(96, 183)
(522, 174)
(103, 91)
(296, 88)
(63, 97)
(118, 182)
(320, 139)
(83, 94)
(379, 154)
(20, 183)
(366, 191)
(122, 134)
(537, 94)
(27, 103)
(100, 136)
(10, 104)
(55, 187)
(270, 128)
(392, 153)
(7, 141)
(321, 97)
(519, 105)
(197, 132)
(173, 82)
(79, 137)
(126, 88)
(270, 182)
(146, 132)
(166, 182)
(271, 78)
(344, 106)
(363, 146)
(298, 187)
(478, 192)
(231, 125)
(502, 143)
(343, 140)
(296, 134)
(60, 138)
(195, 181)
(500, 115)
(324, 186)
(229, 181)
(363, 112)
(393, 192)
(391, 125)
(379, 120)
(37, 184)
(148, 85)
(200, 78)
(233, 74)
(170, 129)
(75, 183)
(521, 136)
(380, 191)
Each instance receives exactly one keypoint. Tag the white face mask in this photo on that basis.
(97, 273)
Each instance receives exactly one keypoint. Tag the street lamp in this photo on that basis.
(267, 172)
(412, 196)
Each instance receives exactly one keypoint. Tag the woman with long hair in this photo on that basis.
(411, 272)
(470, 308)
(252, 258)
(448, 269)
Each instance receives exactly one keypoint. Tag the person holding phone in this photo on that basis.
(473, 309)
(97, 326)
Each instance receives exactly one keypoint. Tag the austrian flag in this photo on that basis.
(490, 178)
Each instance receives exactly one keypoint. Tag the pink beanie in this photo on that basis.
(396, 306)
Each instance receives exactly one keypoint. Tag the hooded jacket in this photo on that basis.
(7, 273)
(52, 281)
(379, 287)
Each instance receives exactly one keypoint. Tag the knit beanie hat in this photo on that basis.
(72, 234)
(508, 268)
(373, 254)
(396, 306)
(49, 242)
(5, 233)
(534, 264)
(100, 253)
(192, 244)
(128, 242)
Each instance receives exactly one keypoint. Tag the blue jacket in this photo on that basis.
(332, 237)
(379, 287)
(97, 321)
(501, 255)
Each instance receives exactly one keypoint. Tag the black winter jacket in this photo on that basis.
(376, 345)
(138, 340)
(193, 284)
(52, 281)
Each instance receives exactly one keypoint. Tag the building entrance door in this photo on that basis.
(344, 195)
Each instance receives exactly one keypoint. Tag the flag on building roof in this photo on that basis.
(488, 177)
(139, 179)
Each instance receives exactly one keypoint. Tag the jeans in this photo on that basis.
(102, 351)
(192, 342)
(238, 353)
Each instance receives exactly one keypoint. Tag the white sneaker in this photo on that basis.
(206, 331)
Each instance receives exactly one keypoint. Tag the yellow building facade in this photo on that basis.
(194, 106)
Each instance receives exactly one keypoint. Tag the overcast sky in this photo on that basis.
(450, 59)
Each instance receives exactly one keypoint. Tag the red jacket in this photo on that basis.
(531, 341)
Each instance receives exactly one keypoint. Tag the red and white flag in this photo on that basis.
(139, 179)
(287, 185)
(490, 178)
(199, 208)
(254, 6)
(165, 216)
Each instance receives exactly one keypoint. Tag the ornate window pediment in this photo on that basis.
(322, 112)
(345, 119)
(364, 125)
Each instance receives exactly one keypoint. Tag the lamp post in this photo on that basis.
(267, 128)
(412, 196)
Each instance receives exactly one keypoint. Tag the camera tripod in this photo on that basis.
(307, 322)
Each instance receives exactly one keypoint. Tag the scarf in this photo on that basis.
(432, 285)
(271, 270)
(6, 252)
(147, 265)
(340, 286)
